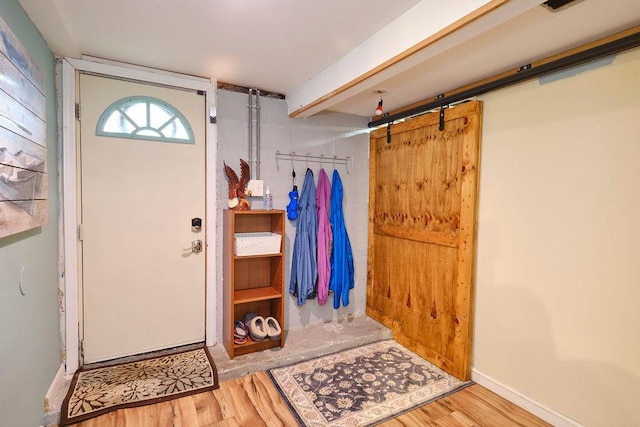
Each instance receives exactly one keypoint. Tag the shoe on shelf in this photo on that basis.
(240, 333)
(240, 341)
(258, 328)
(240, 330)
(274, 331)
(248, 317)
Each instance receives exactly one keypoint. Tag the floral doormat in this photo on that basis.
(362, 386)
(97, 391)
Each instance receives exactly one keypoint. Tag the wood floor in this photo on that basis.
(252, 401)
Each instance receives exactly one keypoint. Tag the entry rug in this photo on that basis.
(362, 386)
(97, 391)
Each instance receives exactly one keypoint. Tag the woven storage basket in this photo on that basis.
(257, 243)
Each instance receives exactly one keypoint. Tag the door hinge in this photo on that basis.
(80, 232)
(77, 111)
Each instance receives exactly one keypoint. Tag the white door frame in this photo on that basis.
(69, 232)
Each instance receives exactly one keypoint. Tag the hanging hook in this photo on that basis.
(346, 163)
(277, 165)
(307, 160)
(334, 161)
(321, 157)
(293, 169)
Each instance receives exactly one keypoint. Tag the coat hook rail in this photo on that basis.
(310, 158)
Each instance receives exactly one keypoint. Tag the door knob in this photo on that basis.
(196, 246)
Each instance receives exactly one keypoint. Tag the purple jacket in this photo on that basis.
(325, 237)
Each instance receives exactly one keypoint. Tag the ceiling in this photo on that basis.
(328, 54)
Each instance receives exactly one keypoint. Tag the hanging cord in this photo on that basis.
(293, 173)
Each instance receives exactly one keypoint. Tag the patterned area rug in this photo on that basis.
(97, 391)
(362, 386)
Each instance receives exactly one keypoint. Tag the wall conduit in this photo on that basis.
(254, 104)
(250, 129)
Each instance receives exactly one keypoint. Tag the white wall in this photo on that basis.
(558, 279)
(329, 134)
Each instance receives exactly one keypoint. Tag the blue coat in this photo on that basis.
(304, 269)
(342, 270)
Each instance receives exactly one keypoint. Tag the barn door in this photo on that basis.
(422, 233)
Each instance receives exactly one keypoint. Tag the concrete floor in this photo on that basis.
(301, 344)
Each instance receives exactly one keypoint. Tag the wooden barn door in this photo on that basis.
(422, 233)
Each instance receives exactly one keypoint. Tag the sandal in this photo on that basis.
(274, 331)
(240, 333)
(257, 328)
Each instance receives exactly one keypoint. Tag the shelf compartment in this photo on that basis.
(253, 346)
(262, 307)
(258, 272)
(259, 220)
(256, 294)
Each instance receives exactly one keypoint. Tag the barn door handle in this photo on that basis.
(196, 246)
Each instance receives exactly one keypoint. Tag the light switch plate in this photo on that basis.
(255, 188)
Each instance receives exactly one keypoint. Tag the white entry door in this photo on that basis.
(141, 290)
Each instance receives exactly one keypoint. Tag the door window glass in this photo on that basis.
(144, 117)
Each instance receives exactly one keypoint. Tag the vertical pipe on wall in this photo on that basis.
(250, 107)
(257, 104)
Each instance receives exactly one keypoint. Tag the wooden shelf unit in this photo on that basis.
(252, 283)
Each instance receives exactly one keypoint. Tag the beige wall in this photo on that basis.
(558, 279)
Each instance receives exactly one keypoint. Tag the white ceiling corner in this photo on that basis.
(416, 25)
(309, 50)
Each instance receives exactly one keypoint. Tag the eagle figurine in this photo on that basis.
(237, 187)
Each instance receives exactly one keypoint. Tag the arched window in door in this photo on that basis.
(144, 117)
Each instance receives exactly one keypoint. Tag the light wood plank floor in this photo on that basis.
(252, 401)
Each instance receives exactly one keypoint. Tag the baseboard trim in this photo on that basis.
(536, 408)
(53, 388)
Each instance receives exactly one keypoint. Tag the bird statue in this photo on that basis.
(237, 186)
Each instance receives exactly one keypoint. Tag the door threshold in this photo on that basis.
(143, 356)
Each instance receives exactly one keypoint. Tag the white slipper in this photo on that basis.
(258, 328)
(274, 331)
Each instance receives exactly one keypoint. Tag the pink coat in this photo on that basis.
(325, 236)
